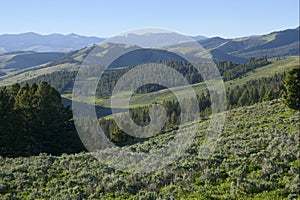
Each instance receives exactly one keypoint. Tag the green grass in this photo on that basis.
(276, 66)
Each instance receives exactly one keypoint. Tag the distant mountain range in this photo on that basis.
(45, 43)
(51, 43)
(275, 44)
(60, 57)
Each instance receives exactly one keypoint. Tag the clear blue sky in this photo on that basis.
(225, 18)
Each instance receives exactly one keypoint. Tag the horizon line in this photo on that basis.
(104, 37)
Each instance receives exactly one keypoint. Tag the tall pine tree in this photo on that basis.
(292, 85)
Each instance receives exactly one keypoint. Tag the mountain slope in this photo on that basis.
(21, 60)
(142, 56)
(280, 43)
(70, 61)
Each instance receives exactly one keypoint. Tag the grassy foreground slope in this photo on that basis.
(256, 157)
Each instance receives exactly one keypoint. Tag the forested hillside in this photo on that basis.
(63, 80)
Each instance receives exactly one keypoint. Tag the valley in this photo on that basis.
(253, 155)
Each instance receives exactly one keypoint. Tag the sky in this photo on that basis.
(105, 18)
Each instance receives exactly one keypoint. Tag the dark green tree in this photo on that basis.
(292, 85)
(33, 120)
(12, 139)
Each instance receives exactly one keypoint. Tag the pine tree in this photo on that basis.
(244, 99)
(12, 139)
(33, 120)
(292, 85)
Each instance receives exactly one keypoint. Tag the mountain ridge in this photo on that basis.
(252, 46)
(236, 48)
(54, 42)
(277, 44)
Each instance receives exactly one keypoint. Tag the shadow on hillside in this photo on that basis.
(100, 111)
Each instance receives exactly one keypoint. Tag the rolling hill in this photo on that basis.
(21, 60)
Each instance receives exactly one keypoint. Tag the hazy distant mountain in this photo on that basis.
(44, 43)
(60, 43)
(153, 40)
(198, 37)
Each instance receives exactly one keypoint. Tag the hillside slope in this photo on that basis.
(254, 158)
(275, 44)
(20, 60)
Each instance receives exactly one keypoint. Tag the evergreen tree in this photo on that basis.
(33, 120)
(244, 99)
(292, 85)
(11, 127)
